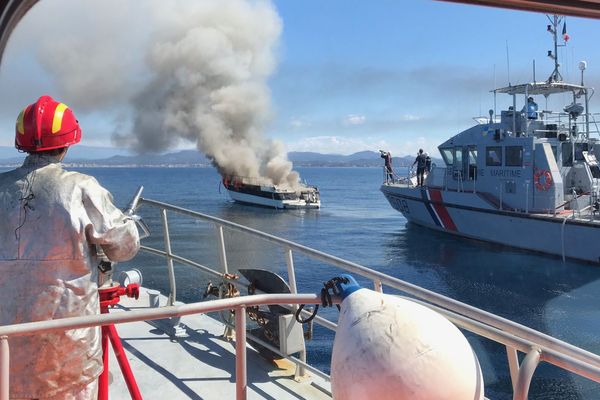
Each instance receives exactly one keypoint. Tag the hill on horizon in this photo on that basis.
(98, 156)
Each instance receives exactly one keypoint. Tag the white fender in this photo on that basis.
(387, 347)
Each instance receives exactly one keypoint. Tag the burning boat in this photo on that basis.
(258, 192)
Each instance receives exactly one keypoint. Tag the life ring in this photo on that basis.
(542, 179)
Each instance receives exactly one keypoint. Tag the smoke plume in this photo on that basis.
(207, 65)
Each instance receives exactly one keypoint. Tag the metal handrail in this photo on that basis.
(414, 290)
(514, 336)
(238, 303)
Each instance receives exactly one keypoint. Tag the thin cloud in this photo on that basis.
(410, 118)
(333, 144)
(297, 123)
(337, 144)
(354, 119)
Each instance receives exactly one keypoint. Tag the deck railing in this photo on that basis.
(239, 304)
(516, 338)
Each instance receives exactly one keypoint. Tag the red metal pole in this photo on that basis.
(110, 296)
(134, 391)
(103, 379)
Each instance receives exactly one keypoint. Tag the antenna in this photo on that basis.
(534, 71)
(507, 63)
(553, 30)
(495, 89)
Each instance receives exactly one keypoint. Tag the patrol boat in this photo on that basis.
(258, 192)
(528, 179)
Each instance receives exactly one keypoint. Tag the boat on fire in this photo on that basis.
(528, 179)
(258, 192)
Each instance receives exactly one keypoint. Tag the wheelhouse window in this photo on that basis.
(472, 155)
(472, 173)
(458, 152)
(493, 156)
(448, 156)
(514, 156)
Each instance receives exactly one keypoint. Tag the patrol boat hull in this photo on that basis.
(471, 215)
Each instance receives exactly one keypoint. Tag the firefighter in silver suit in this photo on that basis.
(51, 223)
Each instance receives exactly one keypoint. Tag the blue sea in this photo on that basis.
(356, 223)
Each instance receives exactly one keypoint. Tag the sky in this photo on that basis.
(342, 76)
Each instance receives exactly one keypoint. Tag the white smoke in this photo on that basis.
(206, 80)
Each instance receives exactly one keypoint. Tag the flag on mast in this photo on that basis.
(565, 35)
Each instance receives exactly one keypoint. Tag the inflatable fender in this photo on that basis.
(387, 347)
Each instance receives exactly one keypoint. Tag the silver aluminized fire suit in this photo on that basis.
(50, 220)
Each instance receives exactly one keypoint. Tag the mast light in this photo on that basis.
(582, 67)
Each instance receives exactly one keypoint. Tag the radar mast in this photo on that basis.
(555, 21)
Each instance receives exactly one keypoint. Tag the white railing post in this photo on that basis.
(513, 366)
(222, 251)
(4, 368)
(526, 371)
(241, 380)
(172, 284)
(289, 260)
(377, 285)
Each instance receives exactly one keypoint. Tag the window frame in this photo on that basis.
(488, 149)
(508, 150)
(448, 155)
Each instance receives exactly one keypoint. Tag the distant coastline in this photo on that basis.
(194, 159)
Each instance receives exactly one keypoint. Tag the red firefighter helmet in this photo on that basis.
(46, 125)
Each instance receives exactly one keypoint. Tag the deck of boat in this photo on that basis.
(200, 365)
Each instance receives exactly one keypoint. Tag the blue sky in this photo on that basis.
(350, 75)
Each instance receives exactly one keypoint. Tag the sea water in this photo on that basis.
(356, 223)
